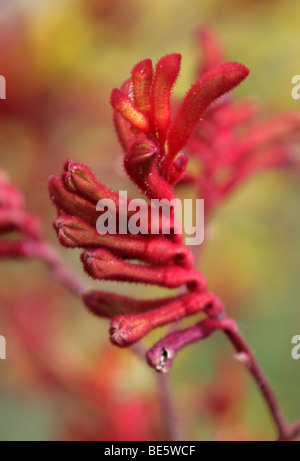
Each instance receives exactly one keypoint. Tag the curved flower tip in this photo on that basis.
(161, 355)
(206, 90)
(142, 75)
(123, 104)
(167, 70)
(128, 330)
(161, 358)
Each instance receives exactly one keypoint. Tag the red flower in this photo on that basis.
(153, 140)
(152, 144)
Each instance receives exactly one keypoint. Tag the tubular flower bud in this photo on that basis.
(74, 232)
(161, 355)
(129, 329)
(103, 265)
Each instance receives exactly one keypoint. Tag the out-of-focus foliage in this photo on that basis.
(61, 59)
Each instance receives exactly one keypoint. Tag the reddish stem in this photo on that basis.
(172, 427)
(294, 432)
(60, 271)
(170, 417)
(247, 358)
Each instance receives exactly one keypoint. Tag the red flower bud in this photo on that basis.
(74, 232)
(109, 305)
(102, 265)
(129, 329)
(178, 168)
(140, 165)
(142, 75)
(208, 88)
(123, 104)
(70, 203)
(79, 178)
(161, 355)
(166, 73)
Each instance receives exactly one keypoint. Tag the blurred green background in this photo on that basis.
(61, 59)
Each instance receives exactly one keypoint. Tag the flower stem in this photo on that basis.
(171, 424)
(247, 358)
(170, 417)
(294, 432)
(59, 269)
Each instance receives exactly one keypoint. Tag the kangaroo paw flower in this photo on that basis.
(161, 355)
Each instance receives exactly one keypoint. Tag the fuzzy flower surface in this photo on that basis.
(229, 141)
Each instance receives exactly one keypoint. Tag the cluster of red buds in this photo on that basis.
(153, 160)
(19, 230)
(229, 144)
(146, 259)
